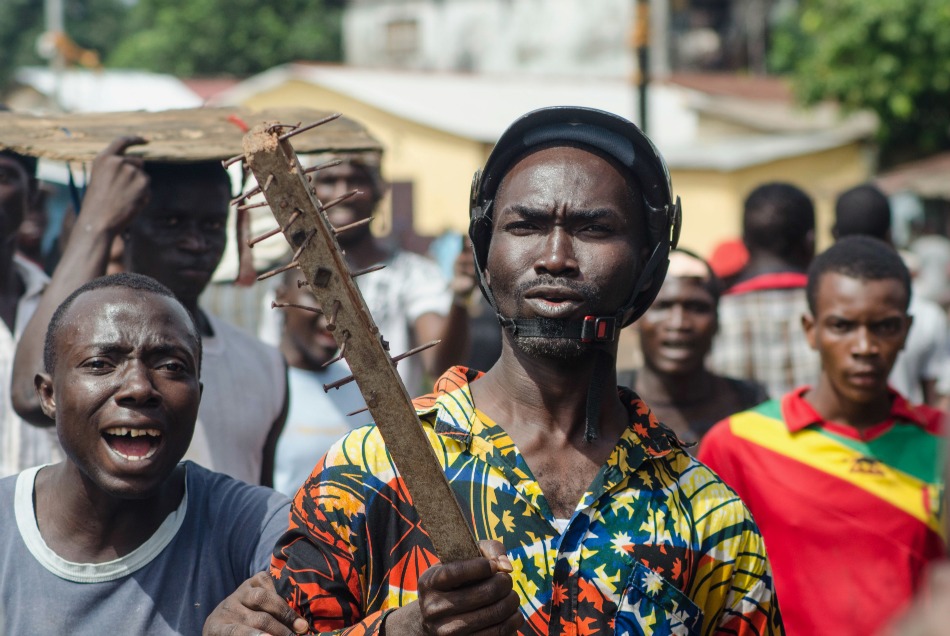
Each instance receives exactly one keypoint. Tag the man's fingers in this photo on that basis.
(121, 144)
(492, 620)
(494, 551)
(451, 576)
(262, 597)
(472, 598)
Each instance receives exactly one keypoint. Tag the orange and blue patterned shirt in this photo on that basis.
(657, 545)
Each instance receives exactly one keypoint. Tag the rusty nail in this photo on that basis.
(276, 305)
(415, 350)
(350, 226)
(358, 411)
(323, 166)
(251, 206)
(303, 245)
(277, 230)
(300, 129)
(246, 195)
(331, 323)
(338, 383)
(279, 270)
(340, 199)
(233, 160)
(368, 270)
(278, 127)
(337, 357)
(267, 182)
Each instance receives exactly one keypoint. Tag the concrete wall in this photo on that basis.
(712, 201)
(439, 165)
(545, 36)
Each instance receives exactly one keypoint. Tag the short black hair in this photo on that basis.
(160, 172)
(861, 257)
(862, 210)
(127, 280)
(777, 218)
(28, 163)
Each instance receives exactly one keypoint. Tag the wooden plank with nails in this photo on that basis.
(319, 258)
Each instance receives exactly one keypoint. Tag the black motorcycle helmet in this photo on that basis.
(625, 143)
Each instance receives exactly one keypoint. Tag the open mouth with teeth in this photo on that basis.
(133, 444)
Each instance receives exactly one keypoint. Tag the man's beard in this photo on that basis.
(553, 348)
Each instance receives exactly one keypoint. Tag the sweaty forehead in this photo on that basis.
(565, 174)
(115, 315)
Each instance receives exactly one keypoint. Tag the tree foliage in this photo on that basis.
(889, 56)
(239, 37)
(92, 24)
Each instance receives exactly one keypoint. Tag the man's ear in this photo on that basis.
(43, 383)
(808, 324)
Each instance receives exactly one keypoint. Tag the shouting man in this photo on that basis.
(120, 536)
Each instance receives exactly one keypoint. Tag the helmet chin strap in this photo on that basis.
(591, 330)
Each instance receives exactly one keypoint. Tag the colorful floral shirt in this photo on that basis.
(657, 545)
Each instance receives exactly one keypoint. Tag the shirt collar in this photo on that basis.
(453, 410)
(34, 279)
(798, 413)
(762, 282)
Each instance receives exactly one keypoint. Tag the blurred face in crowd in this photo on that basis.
(858, 328)
(567, 242)
(179, 238)
(15, 190)
(306, 343)
(124, 389)
(677, 331)
(337, 181)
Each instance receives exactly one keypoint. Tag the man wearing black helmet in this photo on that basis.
(593, 520)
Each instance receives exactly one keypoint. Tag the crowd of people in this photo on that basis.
(775, 466)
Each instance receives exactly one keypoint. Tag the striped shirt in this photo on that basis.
(850, 518)
(760, 335)
(658, 545)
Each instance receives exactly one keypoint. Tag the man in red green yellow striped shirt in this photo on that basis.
(843, 478)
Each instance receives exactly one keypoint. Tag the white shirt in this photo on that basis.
(22, 445)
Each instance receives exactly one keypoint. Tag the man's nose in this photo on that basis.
(677, 317)
(192, 239)
(136, 387)
(557, 255)
(865, 343)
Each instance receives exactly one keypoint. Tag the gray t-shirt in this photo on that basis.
(222, 533)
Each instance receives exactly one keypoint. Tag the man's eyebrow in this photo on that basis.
(539, 214)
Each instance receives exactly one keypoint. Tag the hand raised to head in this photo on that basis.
(118, 189)
(252, 610)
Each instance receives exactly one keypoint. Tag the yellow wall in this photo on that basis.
(712, 201)
(441, 165)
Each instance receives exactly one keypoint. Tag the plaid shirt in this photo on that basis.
(761, 337)
(658, 545)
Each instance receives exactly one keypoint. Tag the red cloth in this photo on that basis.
(780, 280)
(850, 519)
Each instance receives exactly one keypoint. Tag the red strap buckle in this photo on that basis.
(598, 329)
